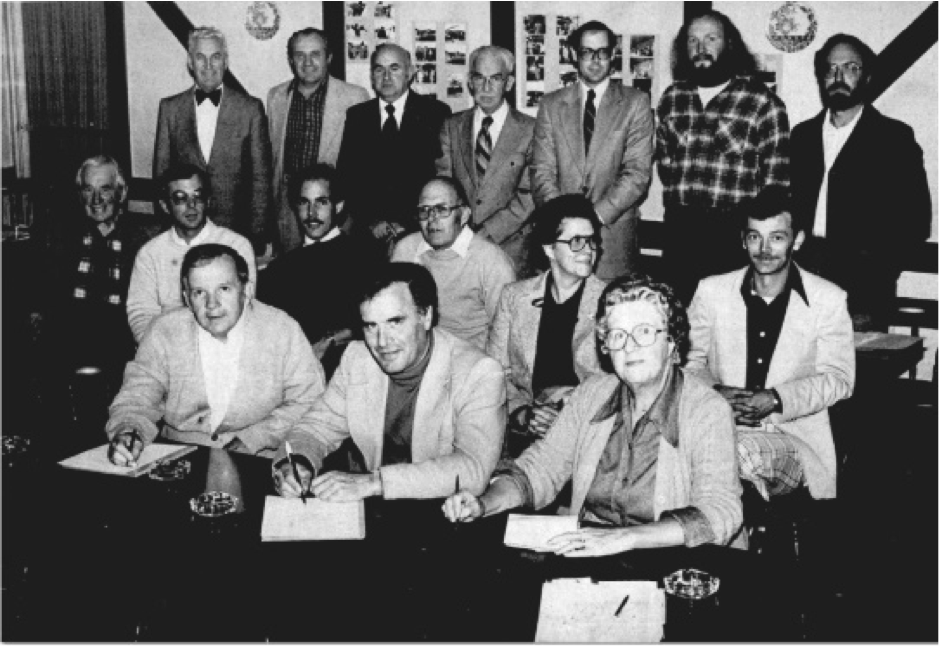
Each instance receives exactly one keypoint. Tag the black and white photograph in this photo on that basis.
(641, 68)
(455, 53)
(769, 68)
(384, 10)
(425, 53)
(355, 10)
(535, 25)
(534, 46)
(534, 70)
(617, 60)
(425, 32)
(566, 24)
(456, 84)
(533, 98)
(455, 33)
(568, 78)
(385, 29)
(567, 55)
(356, 30)
(426, 74)
(642, 46)
(357, 49)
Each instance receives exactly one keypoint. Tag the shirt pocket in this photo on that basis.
(731, 136)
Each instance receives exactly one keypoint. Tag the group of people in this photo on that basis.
(459, 295)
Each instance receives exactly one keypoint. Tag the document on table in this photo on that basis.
(534, 532)
(288, 519)
(97, 459)
(582, 610)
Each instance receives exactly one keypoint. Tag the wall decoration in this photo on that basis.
(642, 62)
(792, 27)
(769, 70)
(262, 20)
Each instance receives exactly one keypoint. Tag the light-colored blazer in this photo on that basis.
(812, 366)
(701, 471)
(459, 420)
(513, 339)
(502, 201)
(616, 174)
(279, 378)
(340, 96)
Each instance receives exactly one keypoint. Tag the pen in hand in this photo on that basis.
(296, 474)
(459, 502)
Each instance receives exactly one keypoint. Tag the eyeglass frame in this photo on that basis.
(593, 241)
(631, 335)
(424, 215)
(480, 81)
(595, 54)
(831, 71)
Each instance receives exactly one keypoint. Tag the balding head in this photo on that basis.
(392, 71)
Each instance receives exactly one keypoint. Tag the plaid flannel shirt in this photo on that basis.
(719, 156)
(304, 128)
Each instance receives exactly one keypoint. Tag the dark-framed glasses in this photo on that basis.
(179, 199)
(643, 334)
(438, 211)
(599, 54)
(577, 243)
(495, 80)
(847, 69)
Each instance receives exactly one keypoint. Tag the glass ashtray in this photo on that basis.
(214, 504)
(171, 470)
(691, 584)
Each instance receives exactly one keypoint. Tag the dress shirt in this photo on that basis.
(206, 120)
(304, 127)
(220, 368)
(833, 140)
(200, 237)
(399, 109)
(460, 245)
(554, 356)
(307, 241)
(495, 128)
(598, 92)
(708, 93)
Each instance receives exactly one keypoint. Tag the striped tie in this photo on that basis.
(483, 149)
(590, 115)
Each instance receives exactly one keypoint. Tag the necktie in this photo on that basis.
(483, 149)
(214, 96)
(590, 116)
(390, 129)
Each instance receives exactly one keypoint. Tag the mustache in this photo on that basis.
(838, 86)
(311, 222)
(702, 57)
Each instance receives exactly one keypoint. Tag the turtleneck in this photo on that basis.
(403, 389)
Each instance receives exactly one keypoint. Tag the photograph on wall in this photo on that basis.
(534, 68)
(534, 46)
(355, 10)
(769, 69)
(384, 10)
(455, 53)
(456, 82)
(426, 74)
(617, 58)
(642, 62)
(454, 33)
(568, 78)
(425, 53)
(425, 32)
(356, 30)
(535, 25)
(357, 49)
(643, 46)
(385, 30)
(533, 96)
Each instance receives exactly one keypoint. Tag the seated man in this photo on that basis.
(470, 272)
(226, 372)
(777, 343)
(425, 409)
(154, 283)
(317, 283)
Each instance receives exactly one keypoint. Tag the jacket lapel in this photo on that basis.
(412, 114)
(506, 144)
(790, 347)
(585, 470)
(732, 332)
(467, 146)
(331, 117)
(189, 127)
(572, 127)
(368, 392)
(532, 321)
(611, 111)
(433, 402)
(226, 115)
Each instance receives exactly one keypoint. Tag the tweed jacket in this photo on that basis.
(513, 339)
(340, 96)
(279, 379)
(615, 176)
(459, 420)
(811, 369)
(239, 167)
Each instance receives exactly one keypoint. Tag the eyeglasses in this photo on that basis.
(577, 243)
(179, 199)
(601, 54)
(438, 211)
(643, 334)
(493, 81)
(847, 69)
(320, 202)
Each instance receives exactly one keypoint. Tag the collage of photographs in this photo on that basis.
(367, 29)
(428, 56)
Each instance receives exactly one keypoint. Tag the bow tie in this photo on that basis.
(215, 96)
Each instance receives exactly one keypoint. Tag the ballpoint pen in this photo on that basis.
(621, 606)
(296, 474)
(456, 492)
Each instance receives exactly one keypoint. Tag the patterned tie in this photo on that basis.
(590, 115)
(390, 129)
(483, 149)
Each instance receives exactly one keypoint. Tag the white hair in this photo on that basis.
(508, 58)
(206, 33)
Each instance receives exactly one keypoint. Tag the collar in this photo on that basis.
(460, 245)
(199, 239)
(793, 283)
(236, 335)
(664, 412)
(411, 377)
(333, 233)
(829, 127)
(398, 104)
(498, 117)
(600, 90)
(295, 83)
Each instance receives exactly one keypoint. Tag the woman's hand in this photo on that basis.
(593, 541)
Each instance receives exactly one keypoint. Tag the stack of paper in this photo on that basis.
(289, 519)
(581, 610)
(534, 532)
(97, 459)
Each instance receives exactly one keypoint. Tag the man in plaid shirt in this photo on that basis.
(722, 137)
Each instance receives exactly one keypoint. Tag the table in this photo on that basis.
(886, 356)
(110, 558)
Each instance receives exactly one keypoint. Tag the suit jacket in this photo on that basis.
(279, 379)
(811, 369)
(502, 201)
(513, 339)
(459, 420)
(340, 96)
(878, 203)
(616, 174)
(385, 184)
(239, 167)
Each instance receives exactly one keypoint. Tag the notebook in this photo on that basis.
(96, 459)
(288, 519)
(534, 532)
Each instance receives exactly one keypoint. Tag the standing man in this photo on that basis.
(223, 132)
(722, 137)
(306, 115)
(776, 342)
(389, 146)
(469, 271)
(488, 150)
(595, 137)
(858, 177)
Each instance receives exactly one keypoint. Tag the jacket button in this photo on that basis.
(478, 202)
(215, 437)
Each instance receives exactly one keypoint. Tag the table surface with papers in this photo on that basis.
(102, 557)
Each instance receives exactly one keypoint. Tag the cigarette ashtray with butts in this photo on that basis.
(214, 504)
(170, 470)
(691, 584)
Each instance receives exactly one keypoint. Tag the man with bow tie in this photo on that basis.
(221, 130)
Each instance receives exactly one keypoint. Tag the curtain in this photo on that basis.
(15, 104)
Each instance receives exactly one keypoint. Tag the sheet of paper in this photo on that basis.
(288, 519)
(533, 532)
(581, 610)
(97, 459)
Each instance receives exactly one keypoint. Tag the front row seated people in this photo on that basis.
(425, 409)
(543, 333)
(228, 372)
(650, 450)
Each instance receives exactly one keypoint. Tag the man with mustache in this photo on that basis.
(721, 138)
(776, 342)
(330, 265)
(858, 176)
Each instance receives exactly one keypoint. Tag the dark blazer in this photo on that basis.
(240, 165)
(878, 203)
(383, 184)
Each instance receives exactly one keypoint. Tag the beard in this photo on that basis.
(716, 73)
(839, 101)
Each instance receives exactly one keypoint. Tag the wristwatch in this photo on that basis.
(777, 402)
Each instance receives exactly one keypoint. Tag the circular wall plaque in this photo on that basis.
(792, 27)
(262, 20)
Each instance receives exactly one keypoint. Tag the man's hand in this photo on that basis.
(126, 447)
(462, 507)
(286, 485)
(592, 541)
(336, 486)
(541, 418)
(755, 408)
(384, 230)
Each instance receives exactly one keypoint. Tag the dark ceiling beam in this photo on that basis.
(695, 9)
(502, 33)
(904, 50)
(334, 24)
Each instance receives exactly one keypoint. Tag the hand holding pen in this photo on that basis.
(126, 446)
(462, 506)
(292, 477)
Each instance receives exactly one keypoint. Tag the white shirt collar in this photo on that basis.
(398, 104)
(498, 121)
(236, 335)
(847, 129)
(599, 90)
(334, 232)
(460, 245)
(200, 237)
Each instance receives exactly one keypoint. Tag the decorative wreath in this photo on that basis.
(792, 27)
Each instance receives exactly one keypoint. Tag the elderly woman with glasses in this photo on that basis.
(650, 449)
(543, 330)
